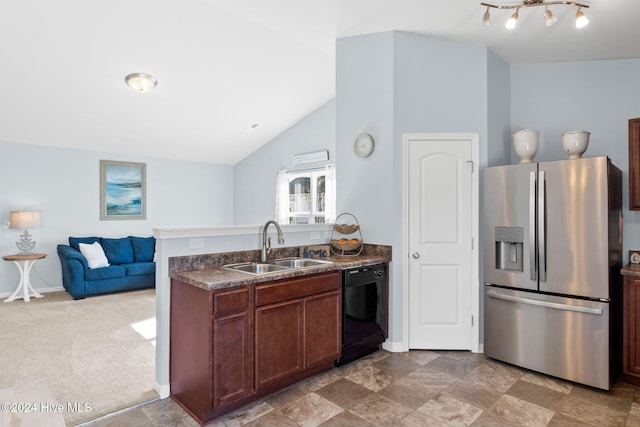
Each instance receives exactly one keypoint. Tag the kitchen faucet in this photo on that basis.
(266, 242)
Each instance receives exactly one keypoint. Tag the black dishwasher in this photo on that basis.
(364, 311)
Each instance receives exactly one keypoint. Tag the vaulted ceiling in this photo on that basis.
(225, 65)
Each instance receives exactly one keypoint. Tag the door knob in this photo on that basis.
(415, 255)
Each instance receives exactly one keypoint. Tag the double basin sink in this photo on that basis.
(275, 265)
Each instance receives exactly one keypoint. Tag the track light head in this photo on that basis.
(486, 18)
(511, 23)
(581, 20)
(549, 18)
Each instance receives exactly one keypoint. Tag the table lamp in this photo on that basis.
(25, 220)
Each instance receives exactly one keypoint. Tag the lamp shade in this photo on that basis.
(25, 219)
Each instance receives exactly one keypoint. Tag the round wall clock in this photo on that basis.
(364, 145)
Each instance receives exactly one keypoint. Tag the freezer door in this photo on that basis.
(574, 239)
(510, 226)
(564, 337)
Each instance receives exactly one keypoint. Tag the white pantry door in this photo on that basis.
(440, 244)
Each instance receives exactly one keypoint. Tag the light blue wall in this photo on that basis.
(598, 96)
(440, 85)
(65, 185)
(365, 103)
(389, 84)
(499, 110)
(255, 175)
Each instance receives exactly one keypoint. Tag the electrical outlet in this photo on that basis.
(197, 243)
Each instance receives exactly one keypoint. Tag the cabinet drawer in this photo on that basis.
(283, 290)
(547, 323)
(230, 301)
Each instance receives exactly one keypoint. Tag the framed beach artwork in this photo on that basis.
(122, 190)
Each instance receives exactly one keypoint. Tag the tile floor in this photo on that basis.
(418, 388)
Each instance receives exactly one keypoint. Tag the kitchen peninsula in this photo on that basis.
(236, 337)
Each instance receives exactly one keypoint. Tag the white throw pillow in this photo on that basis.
(94, 254)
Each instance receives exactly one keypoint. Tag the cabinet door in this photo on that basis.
(632, 329)
(322, 335)
(231, 358)
(190, 349)
(278, 342)
(634, 164)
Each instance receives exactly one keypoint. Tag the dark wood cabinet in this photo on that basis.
(231, 346)
(634, 164)
(231, 358)
(278, 342)
(631, 340)
(321, 322)
(297, 326)
(210, 354)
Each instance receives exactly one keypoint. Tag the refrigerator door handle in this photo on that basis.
(532, 226)
(542, 231)
(546, 304)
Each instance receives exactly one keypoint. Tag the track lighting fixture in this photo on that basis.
(549, 18)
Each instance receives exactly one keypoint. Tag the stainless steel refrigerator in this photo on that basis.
(552, 257)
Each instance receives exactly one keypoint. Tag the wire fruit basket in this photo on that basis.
(348, 245)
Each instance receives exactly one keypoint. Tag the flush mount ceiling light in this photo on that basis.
(581, 19)
(140, 82)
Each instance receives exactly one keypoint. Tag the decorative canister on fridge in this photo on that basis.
(525, 142)
(575, 143)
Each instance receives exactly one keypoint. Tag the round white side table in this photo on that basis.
(24, 263)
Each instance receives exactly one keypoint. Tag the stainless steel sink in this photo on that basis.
(275, 265)
(256, 267)
(299, 262)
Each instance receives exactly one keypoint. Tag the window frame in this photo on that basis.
(313, 214)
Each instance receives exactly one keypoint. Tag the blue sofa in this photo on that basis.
(131, 266)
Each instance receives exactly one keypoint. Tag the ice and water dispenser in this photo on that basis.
(509, 241)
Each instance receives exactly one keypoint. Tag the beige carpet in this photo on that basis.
(88, 351)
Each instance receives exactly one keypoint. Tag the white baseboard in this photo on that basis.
(163, 390)
(39, 290)
(399, 347)
(394, 347)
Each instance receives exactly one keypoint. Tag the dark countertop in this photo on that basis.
(213, 278)
(631, 270)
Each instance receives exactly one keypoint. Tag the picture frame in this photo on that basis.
(123, 190)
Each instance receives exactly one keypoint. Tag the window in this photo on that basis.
(306, 197)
